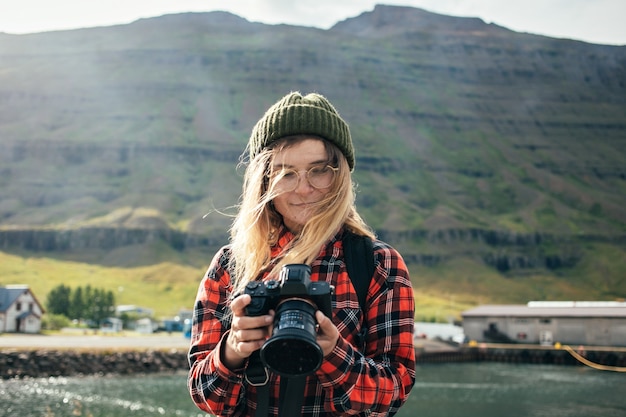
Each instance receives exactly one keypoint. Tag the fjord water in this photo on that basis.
(441, 390)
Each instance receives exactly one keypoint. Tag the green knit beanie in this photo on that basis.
(296, 115)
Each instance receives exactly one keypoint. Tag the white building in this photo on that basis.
(133, 310)
(20, 312)
(570, 322)
(443, 331)
(111, 325)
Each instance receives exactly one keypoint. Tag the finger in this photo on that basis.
(252, 335)
(247, 341)
(252, 322)
(236, 351)
(328, 335)
(324, 323)
(239, 303)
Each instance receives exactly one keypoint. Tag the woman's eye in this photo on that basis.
(318, 170)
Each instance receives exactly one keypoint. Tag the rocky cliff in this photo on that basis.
(472, 140)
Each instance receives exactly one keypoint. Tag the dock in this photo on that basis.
(610, 358)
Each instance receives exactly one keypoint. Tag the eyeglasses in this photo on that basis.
(319, 176)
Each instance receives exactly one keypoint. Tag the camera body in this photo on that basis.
(292, 349)
(294, 282)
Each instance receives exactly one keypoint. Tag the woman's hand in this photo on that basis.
(327, 334)
(247, 333)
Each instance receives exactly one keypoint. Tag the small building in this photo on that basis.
(20, 312)
(446, 332)
(111, 325)
(177, 323)
(133, 310)
(146, 325)
(571, 322)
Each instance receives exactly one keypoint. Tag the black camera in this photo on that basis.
(292, 349)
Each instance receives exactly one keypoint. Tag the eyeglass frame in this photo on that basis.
(272, 176)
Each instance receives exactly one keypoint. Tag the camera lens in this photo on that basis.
(292, 350)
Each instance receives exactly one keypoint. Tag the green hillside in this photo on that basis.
(493, 160)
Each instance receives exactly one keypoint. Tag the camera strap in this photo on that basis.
(258, 376)
(263, 400)
(291, 397)
(359, 258)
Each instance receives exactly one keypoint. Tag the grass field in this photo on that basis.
(442, 293)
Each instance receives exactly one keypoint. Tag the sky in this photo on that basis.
(595, 21)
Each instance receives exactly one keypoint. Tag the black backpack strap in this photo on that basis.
(358, 252)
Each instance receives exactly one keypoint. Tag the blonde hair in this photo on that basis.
(257, 225)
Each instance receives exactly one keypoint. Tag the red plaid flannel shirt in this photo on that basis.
(375, 382)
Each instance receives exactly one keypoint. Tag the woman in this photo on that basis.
(297, 203)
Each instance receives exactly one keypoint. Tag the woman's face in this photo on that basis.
(289, 170)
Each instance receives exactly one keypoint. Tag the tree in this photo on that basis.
(94, 304)
(58, 300)
(100, 304)
(77, 305)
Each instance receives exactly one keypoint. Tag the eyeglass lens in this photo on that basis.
(318, 176)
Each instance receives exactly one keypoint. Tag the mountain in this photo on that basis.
(494, 160)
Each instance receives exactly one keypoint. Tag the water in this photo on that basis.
(442, 390)
(505, 390)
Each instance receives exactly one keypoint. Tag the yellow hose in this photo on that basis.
(587, 362)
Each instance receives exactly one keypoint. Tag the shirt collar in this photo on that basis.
(285, 237)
